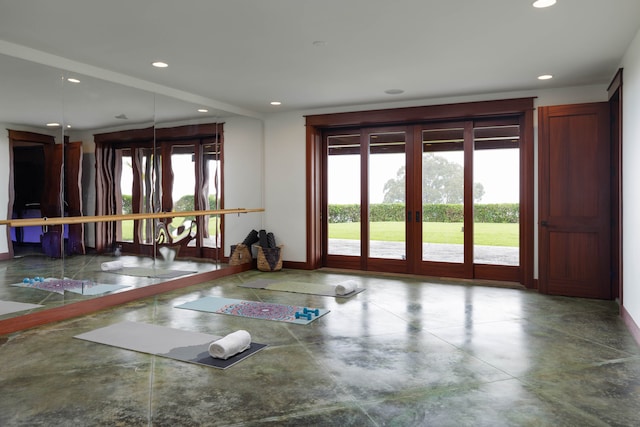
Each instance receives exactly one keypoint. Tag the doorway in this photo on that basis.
(575, 200)
(439, 198)
(351, 129)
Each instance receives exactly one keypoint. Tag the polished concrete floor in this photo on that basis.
(406, 352)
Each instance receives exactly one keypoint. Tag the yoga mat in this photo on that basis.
(7, 307)
(59, 286)
(253, 309)
(177, 344)
(97, 289)
(300, 288)
(156, 273)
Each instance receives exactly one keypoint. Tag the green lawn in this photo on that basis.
(486, 234)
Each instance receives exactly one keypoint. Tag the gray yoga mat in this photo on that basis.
(299, 287)
(7, 307)
(177, 344)
(155, 273)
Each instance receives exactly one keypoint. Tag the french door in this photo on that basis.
(435, 199)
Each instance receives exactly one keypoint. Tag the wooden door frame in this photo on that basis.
(615, 109)
(315, 124)
(17, 137)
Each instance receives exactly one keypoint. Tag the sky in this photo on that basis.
(497, 170)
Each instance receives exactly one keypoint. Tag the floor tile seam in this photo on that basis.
(570, 313)
(576, 368)
(390, 312)
(580, 369)
(553, 399)
(476, 357)
(344, 392)
(292, 415)
(150, 387)
(561, 400)
(431, 390)
(152, 367)
(88, 369)
(632, 358)
(587, 339)
(464, 326)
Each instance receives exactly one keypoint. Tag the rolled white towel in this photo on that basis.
(111, 265)
(230, 345)
(347, 287)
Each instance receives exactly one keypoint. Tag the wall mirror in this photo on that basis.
(50, 119)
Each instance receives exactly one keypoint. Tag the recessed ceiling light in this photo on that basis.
(53, 124)
(394, 91)
(276, 103)
(160, 64)
(543, 3)
(73, 80)
(545, 77)
(202, 110)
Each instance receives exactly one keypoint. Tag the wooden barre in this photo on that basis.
(28, 222)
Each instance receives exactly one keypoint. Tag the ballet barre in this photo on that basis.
(28, 222)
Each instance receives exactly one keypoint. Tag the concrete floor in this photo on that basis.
(406, 352)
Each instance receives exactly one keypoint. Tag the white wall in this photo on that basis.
(285, 178)
(631, 179)
(243, 177)
(285, 154)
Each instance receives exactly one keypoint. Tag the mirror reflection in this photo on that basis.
(77, 146)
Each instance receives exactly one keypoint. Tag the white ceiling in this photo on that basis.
(237, 56)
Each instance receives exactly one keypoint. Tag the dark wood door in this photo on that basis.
(73, 195)
(574, 200)
(63, 177)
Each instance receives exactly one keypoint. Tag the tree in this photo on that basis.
(441, 182)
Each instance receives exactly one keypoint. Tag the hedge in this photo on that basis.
(381, 212)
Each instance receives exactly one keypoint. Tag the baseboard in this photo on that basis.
(4, 257)
(631, 324)
(297, 265)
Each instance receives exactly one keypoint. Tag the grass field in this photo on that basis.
(486, 234)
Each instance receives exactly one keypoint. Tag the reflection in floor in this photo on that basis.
(85, 268)
(405, 352)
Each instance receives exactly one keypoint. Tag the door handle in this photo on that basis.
(417, 216)
(544, 223)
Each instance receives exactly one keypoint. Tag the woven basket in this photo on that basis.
(269, 259)
(240, 254)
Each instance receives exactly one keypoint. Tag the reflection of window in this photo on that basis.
(160, 170)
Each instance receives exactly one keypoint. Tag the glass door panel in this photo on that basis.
(135, 188)
(126, 229)
(496, 180)
(387, 195)
(211, 180)
(146, 166)
(182, 193)
(443, 195)
(343, 195)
